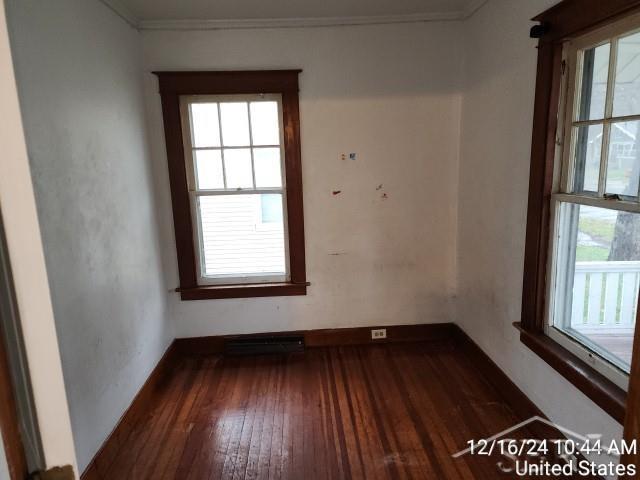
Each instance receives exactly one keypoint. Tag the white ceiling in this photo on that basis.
(155, 13)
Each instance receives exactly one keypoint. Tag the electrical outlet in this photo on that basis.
(378, 334)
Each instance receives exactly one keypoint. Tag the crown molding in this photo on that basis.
(226, 24)
(296, 22)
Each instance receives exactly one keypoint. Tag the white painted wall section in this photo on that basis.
(29, 274)
(79, 74)
(390, 93)
(497, 118)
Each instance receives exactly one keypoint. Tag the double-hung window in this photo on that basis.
(233, 147)
(595, 211)
(582, 253)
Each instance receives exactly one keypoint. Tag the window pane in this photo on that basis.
(623, 164)
(236, 240)
(587, 151)
(237, 164)
(626, 94)
(265, 126)
(235, 124)
(267, 165)
(593, 84)
(209, 169)
(271, 205)
(205, 125)
(598, 268)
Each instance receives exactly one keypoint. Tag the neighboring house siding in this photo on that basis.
(235, 238)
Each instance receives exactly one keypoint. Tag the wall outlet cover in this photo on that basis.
(379, 334)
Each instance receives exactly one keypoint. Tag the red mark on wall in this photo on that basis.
(337, 192)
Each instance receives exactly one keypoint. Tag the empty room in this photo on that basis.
(348, 239)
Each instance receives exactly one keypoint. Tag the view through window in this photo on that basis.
(597, 230)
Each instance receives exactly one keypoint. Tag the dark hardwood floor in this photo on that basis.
(363, 412)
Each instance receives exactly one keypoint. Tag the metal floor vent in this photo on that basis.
(262, 345)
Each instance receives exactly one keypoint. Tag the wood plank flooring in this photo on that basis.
(394, 411)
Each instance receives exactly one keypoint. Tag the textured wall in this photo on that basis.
(79, 75)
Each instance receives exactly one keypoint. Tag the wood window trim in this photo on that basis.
(172, 86)
(568, 19)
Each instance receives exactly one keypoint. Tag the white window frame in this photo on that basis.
(564, 173)
(195, 193)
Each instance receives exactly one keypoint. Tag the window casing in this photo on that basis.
(239, 226)
(594, 263)
(551, 184)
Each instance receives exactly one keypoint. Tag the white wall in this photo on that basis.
(389, 93)
(26, 256)
(79, 75)
(494, 173)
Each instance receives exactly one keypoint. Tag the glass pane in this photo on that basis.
(265, 126)
(267, 165)
(209, 169)
(593, 84)
(236, 240)
(271, 208)
(623, 164)
(237, 164)
(235, 124)
(598, 269)
(626, 94)
(588, 150)
(205, 125)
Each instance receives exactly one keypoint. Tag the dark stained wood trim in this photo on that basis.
(540, 184)
(576, 17)
(9, 423)
(243, 291)
(183, 225)
(284, 82)
(518, 401)
(293, 174)
(602, 391)
(228, 82)
(432, 332)
(566, 19)
(139, 406)
(329, 337)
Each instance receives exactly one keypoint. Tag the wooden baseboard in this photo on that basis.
(330, 337)
(516, 398)
(139, 405)
(437, 333)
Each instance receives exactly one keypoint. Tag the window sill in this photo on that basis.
(211, 292)
(602, 391)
